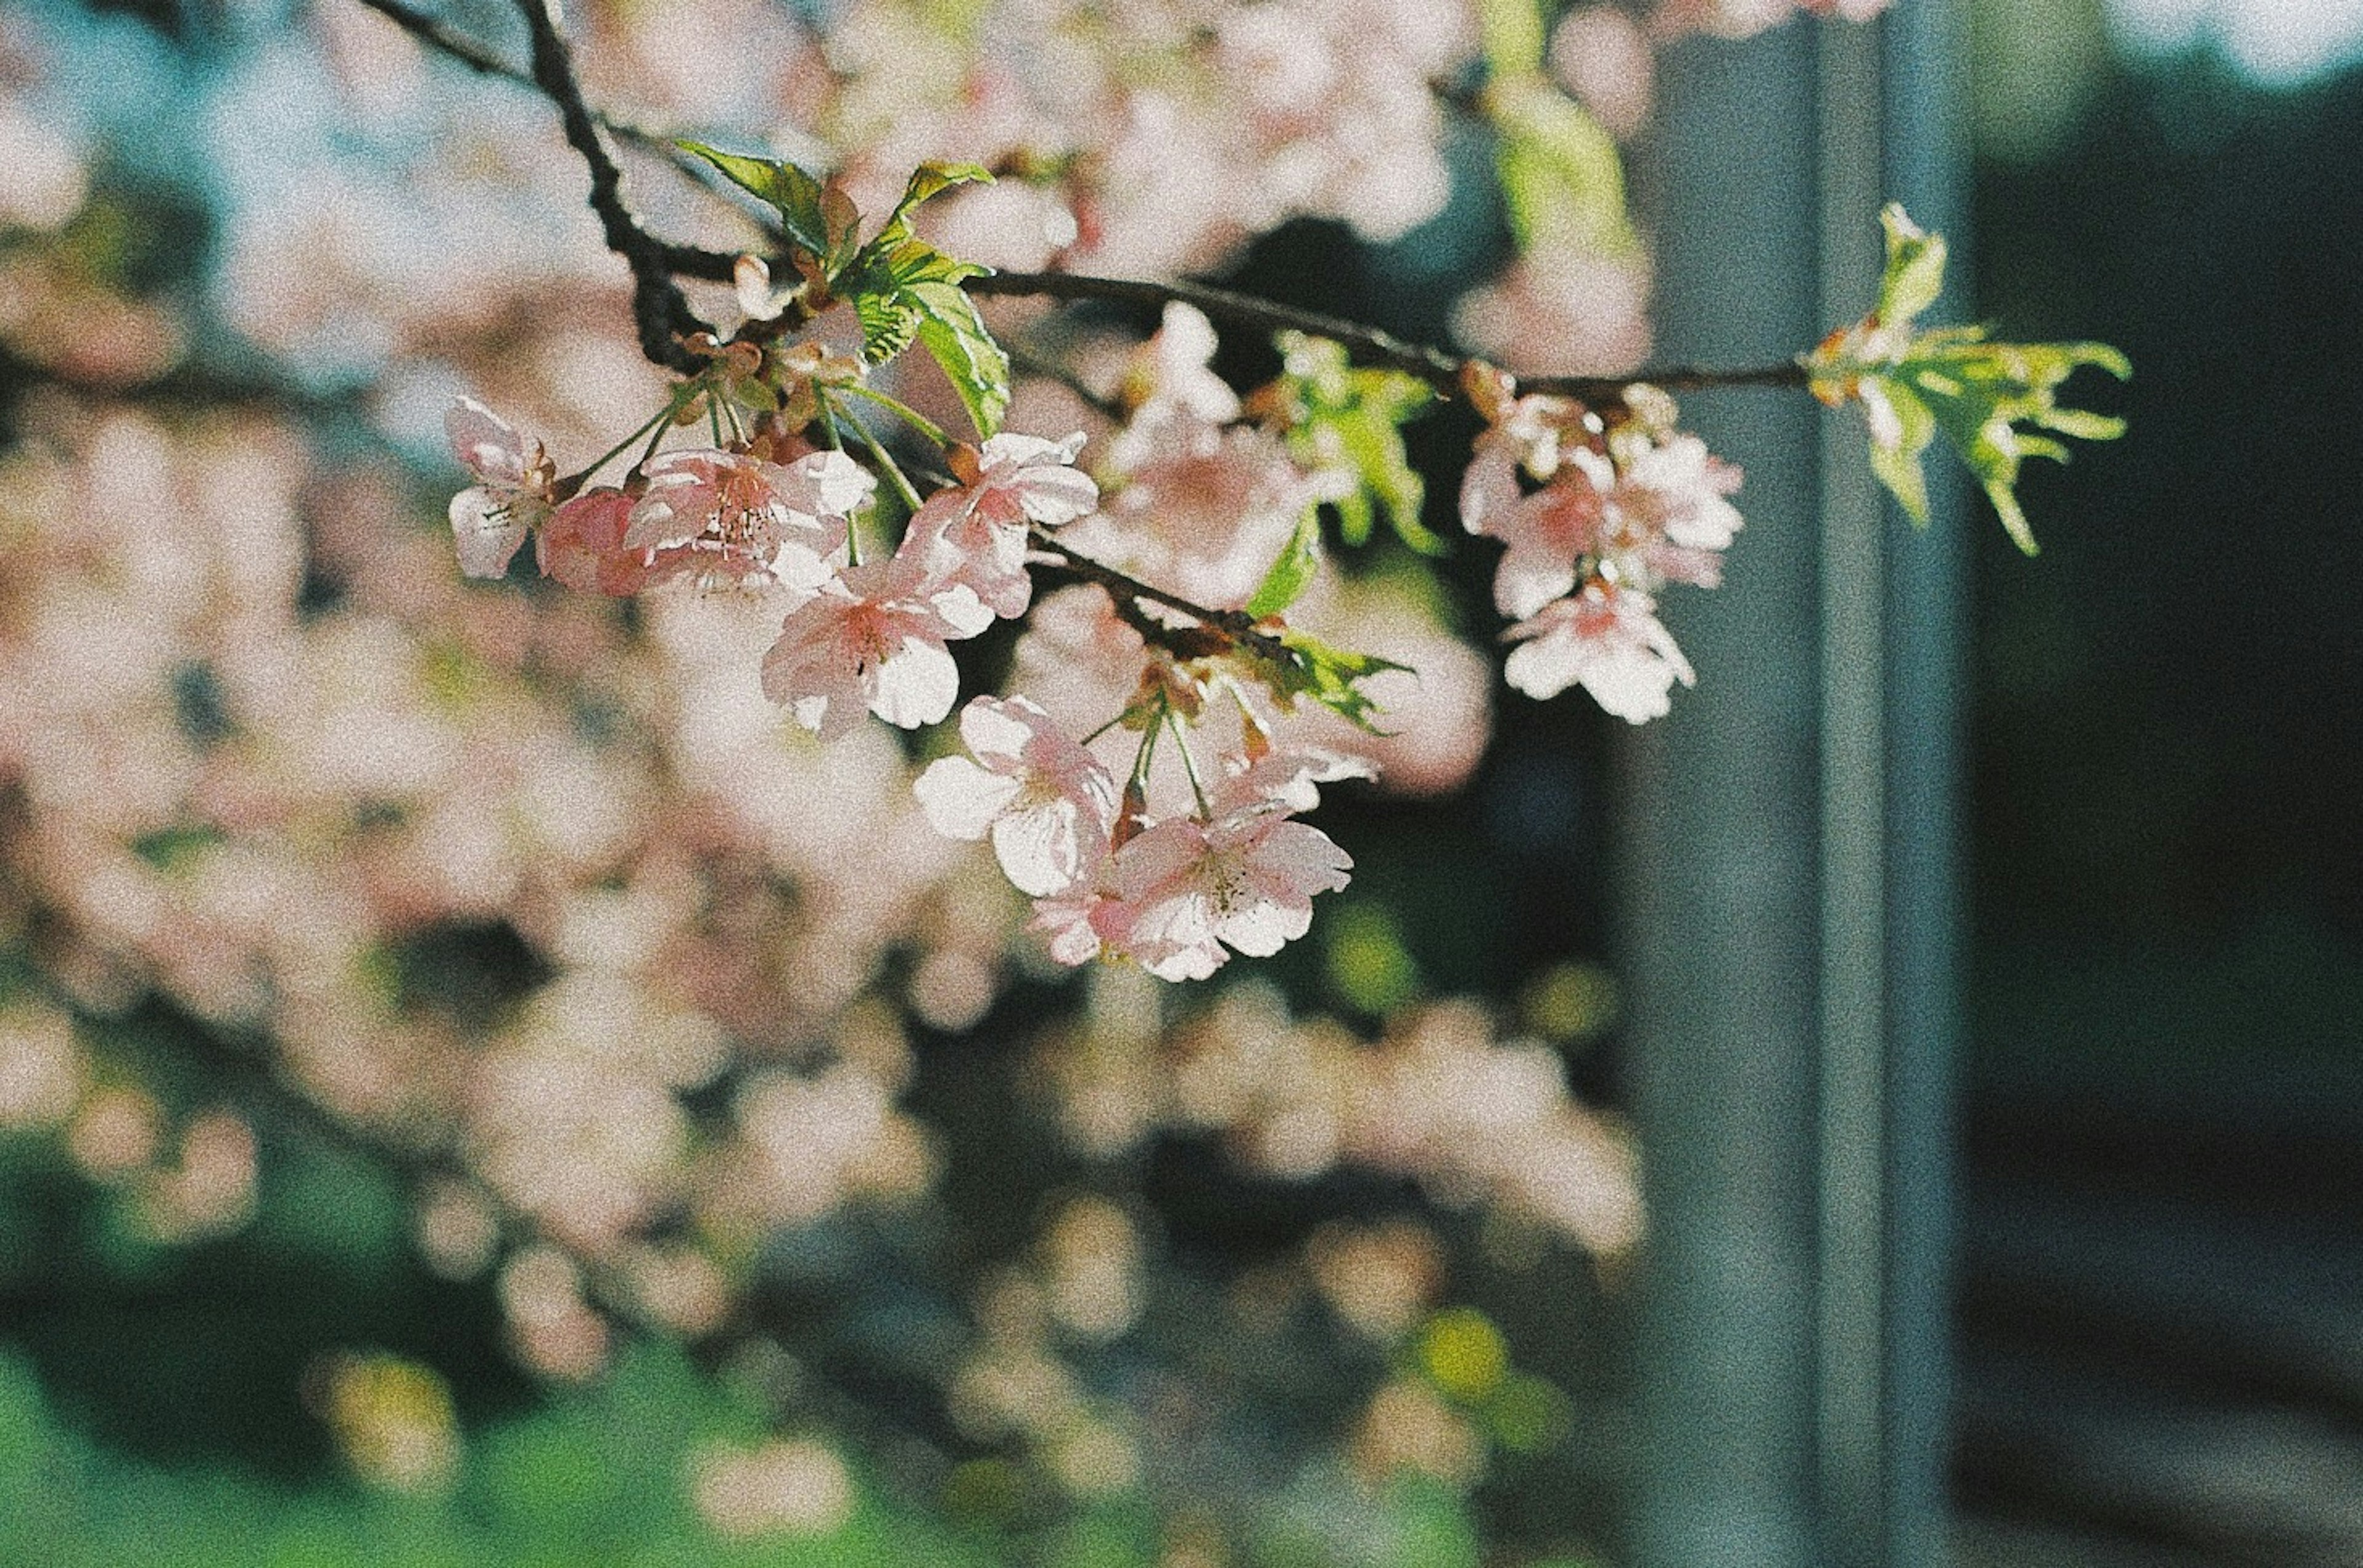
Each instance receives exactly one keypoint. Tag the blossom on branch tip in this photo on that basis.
(733, 519)
(1048, 805)
(515, 489)
(872, 637)
(1609, 640)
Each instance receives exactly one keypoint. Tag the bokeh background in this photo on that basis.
(468, 1094)
(2163, 1108)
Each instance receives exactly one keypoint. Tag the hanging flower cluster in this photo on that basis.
(1623, 509)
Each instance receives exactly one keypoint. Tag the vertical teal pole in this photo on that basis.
(1790, 887)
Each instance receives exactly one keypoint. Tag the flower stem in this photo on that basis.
(1189, 764)
(886, 463)
(903, 411)
(574, 482)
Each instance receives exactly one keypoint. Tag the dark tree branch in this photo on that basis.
(1226, 626)
(661, 313)
(658, 309)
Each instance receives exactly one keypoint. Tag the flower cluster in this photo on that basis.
(1186, 851)
(1621, 510)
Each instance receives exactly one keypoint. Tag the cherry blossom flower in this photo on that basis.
(582, 546)
(974, 532)
(1087, 921)
(1244, 879)
(1609, 640)
(512, 493)
(1548, 532)
(1048, 805)
(872, 637)
(1290, 775)
(732, 518)
(1676, 489)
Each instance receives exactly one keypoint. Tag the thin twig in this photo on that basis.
(1231, 626)
(1433, 366)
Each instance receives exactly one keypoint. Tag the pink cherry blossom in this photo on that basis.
(1607, 640)
(976, 532)
(732, 518)
(1246, 879)
(1290, 776)
(1549, 531)
(872, 637)
(1048, 805)
(1676, 489)
(1087, 921)
(582, 546)
(513, 492)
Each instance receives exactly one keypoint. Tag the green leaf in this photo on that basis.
(1514, 36)
(798, 195)
(1309, 668)
(929, 180)
(1991, 401)
(1898, 466)
(907, 261)
(1916, 267)
(1352, 419)
(889, 322)
(1293, 572)
(1561, 174)
(952, 331)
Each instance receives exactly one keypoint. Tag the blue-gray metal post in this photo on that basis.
(1790, 879)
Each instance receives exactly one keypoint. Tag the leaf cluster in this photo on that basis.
(902, 289)
(1995, 404)
(1351, 421)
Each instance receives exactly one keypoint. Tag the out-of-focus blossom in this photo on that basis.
(1741, 19)
(1601, 56)
(392, 1418)
(41, 1067)
(790, 1487)
(1561, 311)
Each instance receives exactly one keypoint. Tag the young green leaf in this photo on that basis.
(1309, 668)
(927, 181)
(798, 195)
(1916, 267)
(1341, 418)
(1298, 563)
(955, 336)
(1561, 174)
(1991, 401)
(889, 322)
(1514, 33)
